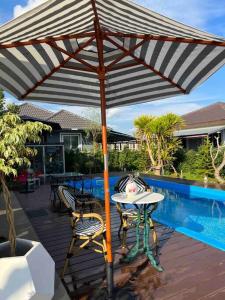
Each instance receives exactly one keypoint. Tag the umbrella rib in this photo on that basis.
(146, 65)
(79, 69)
(55, 69)
(124, 66)
(73, 56)
(109, 67)
(147, 37)
(46, 40)
(99, 37)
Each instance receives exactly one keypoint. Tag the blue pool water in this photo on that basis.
(194, 211)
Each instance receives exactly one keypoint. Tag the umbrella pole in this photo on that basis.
(109, 264)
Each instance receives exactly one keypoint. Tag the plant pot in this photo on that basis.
(28, 275)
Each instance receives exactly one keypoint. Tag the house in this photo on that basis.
(208, 121)
(69, 132)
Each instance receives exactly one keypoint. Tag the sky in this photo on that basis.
(208, 15)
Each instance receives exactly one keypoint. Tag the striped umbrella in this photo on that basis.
(103, 53)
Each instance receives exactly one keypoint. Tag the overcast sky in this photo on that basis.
(208, 15)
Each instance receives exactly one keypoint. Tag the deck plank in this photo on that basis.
(192, 270)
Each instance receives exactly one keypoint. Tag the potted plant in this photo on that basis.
(29, 274)
(27, 270)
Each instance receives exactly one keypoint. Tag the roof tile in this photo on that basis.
(207, 116)
(68, 120)
(30, 110)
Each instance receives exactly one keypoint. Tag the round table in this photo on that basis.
(145, 204)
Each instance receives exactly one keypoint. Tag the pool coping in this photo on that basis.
(195, 190)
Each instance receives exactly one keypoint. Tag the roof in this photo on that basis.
(119, 137)
(68, 120)
(54, 125)
(210, 115)
(64, 118)
(33, 111)
(50, 54)
(198, 131)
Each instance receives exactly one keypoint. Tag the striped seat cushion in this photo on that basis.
(87, 227)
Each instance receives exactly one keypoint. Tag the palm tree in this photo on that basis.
(156, 133)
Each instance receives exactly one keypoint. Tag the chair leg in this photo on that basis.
(124, 238)
(154, 235)
(104, 246)
(121, 219)
(119, 231)
(68, 256)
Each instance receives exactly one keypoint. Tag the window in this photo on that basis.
(54, 159)
(49, 159)
(71, 141)
(37, 162)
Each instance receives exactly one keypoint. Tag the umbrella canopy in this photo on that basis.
(103, 53)
(50, 54)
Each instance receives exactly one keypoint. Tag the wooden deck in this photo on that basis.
(192, 270)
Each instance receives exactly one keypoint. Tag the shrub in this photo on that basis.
(84, 162)
(196, 162)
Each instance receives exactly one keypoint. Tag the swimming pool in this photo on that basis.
(194, 211)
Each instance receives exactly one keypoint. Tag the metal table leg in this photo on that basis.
(135, 250)
(144, 218)
(147, 248)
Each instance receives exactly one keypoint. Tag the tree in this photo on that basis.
(218, 159)
(203, 161)
(14, 134)
(156, 134)
(94, 129)
(2, 102)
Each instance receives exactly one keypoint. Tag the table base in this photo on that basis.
(145, 249)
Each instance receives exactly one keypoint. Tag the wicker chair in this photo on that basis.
(89, 228)
(128, 216)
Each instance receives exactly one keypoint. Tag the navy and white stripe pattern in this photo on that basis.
(121, 188)
(87, 227)
(69, 200)
(175, 67)
(84, 226)
(121, 185)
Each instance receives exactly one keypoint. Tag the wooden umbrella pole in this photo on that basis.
(106, 187)
(102, 77)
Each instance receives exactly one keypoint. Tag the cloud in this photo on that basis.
(125, 121)
(130, 113)
(113, 126)
(112, 112)
(19, 9)
(196, 13)
(10, 100)
(183, 100)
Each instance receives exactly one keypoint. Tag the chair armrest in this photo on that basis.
(91, 202)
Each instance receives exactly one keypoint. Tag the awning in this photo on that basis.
(198, 131)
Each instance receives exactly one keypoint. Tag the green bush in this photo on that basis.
(196, 163)
(85, 163)
(187, 164)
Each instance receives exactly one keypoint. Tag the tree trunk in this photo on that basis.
(218, 177)
(174, 170)
(9, 214)
(150, 154)
(157, 170)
